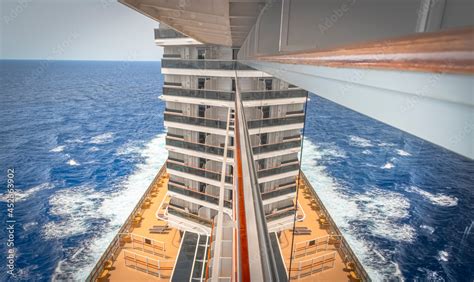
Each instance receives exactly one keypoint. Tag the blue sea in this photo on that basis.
(85, 139)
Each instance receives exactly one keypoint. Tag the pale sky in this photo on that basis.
(75, 30)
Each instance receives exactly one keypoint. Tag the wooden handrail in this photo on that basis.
(242, 220)
(449, 51)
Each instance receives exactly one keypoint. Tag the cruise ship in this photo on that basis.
(231, 203)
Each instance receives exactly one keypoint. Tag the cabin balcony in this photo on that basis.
(175, 167)
(277, 149)
(177, 213)
(208, 67)
(199, 150)
(179, 190)
(285, 170)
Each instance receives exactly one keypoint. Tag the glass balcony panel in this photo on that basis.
(197, 171)
(195, 121)
(276, 147)
(199, 93)
(281, 214)
(204, 64)
(273, 94)
(275, 121)
(180, 212)
(203, 148)
(278, 170)
(279, 192)
(174, 187)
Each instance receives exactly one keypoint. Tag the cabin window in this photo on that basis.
(201, 83)
(202, 187)
(201, 54)
(234, 53)
(201, 111)
(202, 137)
(202, 163)
(265, 111)
(268, 84)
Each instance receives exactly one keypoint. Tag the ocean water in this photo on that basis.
(406, 206)
(86, 139)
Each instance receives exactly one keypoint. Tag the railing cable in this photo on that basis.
(298, 188)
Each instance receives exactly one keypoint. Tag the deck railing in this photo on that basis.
(205, 64)
(113, 249)
(344, 249)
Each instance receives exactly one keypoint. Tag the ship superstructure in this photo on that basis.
(231, 202)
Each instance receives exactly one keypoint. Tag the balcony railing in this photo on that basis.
(197, 171)
(199, 93)
(281, 213)
(279, 192)
(276, 146)
(230, 95)
(161, 33)
(177, 188)
(278, 170)
(198, 147)
(273, 94)
(181, 212)
(221, 124)
(204, 64)
(275, 121)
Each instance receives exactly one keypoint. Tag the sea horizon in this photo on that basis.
(87, 139)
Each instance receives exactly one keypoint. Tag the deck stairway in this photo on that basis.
(192, 258)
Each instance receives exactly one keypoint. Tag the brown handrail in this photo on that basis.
(447, 51)
(242, 221)
(114, 246)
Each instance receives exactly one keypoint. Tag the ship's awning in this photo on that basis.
(221, 22)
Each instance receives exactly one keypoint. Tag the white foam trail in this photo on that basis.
(102, 138)
(438, 199)
(93, 149)
(428, 228)
(332, 151)
(72, 162)
(113, 206)
(58, 149)
(77, 140)
(359, 141)
(403, 153)
(21, 195)
(380, 209)
(74, 206)
(129, 148)
(388, 165)
(384, 144)
(443, 256)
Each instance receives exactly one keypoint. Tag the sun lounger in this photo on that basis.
(159, 229)
(302, 231)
